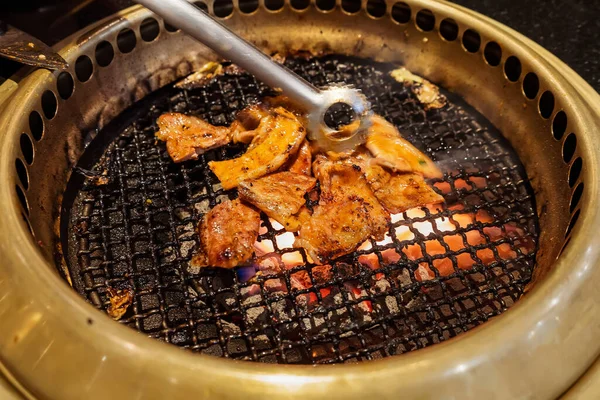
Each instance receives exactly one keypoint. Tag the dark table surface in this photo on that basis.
(568, 28)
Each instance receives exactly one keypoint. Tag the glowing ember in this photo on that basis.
(469, 246)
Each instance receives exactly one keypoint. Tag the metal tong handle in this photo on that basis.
(317, 103)
(228, 45)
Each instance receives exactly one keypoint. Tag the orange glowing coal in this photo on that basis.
(468, 238)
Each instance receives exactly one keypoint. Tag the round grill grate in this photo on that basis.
(129, 218)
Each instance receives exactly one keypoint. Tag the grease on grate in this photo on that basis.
(439, 272)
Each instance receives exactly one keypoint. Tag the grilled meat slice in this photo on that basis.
(391, 150)
(202, 77)
(399, 192)
(280, 135)
(243, 129)
(120, 300)
(280, 195)
(301, 163)
(188, 136)
(347, 214)
(227, 235)
(294, 222)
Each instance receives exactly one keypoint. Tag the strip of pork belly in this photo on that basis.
(280, 135)
(227, 235)
(301, 163)
(400, 192)
(188, 136)
(391, 150)
(279, 195)
(348, 213)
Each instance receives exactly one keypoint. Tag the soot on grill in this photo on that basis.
(130, 213)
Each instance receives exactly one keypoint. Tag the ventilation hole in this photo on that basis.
(84, 68)
(376, 8)
(351, 6)
(149, 29)
(492, 54)
(27, 222)
(325, 5)
(126, 41)
(170, 28)
(546, 105)
(512, 68)
(576, 197)
(425, 20)
(104, 53)
(65, 85)
(569, 147)
(223, 8)
(274, 5)
(401, 12)
(22, 173)
(573, 222)
(249, 6)
(49, 104)
(449, 29)
(22, 199)
(559, 125)
(201, 5)
(300, 4)
(36, 125)
(471, 41)
(27, 148)
(575, 171)
(531, 85)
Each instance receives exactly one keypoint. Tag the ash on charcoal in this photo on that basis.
(202, 207)
(254, 313)
(381, 286)
(201, 191)
(282, 310)
(347, 334)
(230, 301)
(404, 278)
(365, 312)
(187, 246)
(262, 342)
(192, 292)
(249, 295)
(229, 328)
(182, 214)
(167, 255)
(193, 268)
(315, 325)
(392, 304)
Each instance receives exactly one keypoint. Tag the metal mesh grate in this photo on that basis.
(135, 231)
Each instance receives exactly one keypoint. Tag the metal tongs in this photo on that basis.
(324, 107)
(19, 46)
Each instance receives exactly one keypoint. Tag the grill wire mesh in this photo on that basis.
(135, 231)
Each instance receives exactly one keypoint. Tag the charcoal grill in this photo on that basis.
(137, 233)
(92, 200)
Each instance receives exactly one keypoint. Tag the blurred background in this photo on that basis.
(568, 28)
